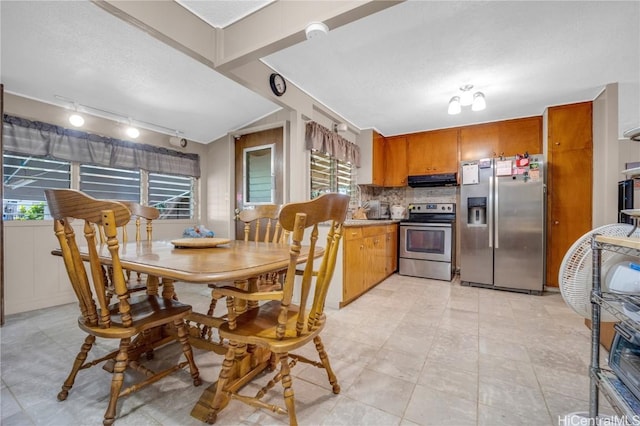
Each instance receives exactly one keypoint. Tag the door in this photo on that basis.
(259, 171)
(476, 245)
(519, 232)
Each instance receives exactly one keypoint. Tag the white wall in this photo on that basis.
(34, 278)
(606, 172)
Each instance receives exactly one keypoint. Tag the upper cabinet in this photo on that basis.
(570, 127)
(432, 152)
(378, 159)
(383, 161)
(506, 138)
(479, 141)
(396, 161)
(520, 136)
(387, 161)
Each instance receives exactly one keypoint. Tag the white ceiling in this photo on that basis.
(394, 70)
(77, 50)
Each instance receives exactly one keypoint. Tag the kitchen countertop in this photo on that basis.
(369, 222)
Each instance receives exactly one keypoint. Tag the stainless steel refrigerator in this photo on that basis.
(502, 229)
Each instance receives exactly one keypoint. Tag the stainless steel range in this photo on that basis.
(427, 241)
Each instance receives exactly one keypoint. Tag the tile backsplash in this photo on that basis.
(406, 196)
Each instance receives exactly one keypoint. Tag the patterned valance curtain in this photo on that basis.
(321, 139)
(22, 136)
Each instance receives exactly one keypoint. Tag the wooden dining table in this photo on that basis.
(232, 262)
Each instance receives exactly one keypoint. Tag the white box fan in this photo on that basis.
(619, 272)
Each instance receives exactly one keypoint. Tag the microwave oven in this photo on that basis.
(624, 357)
(378, 210)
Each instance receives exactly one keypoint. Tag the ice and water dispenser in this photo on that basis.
(477, 213)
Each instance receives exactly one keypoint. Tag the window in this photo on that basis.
(331, 175)
(48, 156)
(258, 178)
(172, 195)
(105, 183)
(25, 179)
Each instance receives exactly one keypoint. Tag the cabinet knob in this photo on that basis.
(555, 222)
(557, 144)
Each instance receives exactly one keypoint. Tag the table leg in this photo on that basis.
(153, 282)
(168, 289)
(248, 362)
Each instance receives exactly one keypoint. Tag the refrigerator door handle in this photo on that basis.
(490, 212)
(497, 215)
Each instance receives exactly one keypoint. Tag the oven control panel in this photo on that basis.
(432, 208)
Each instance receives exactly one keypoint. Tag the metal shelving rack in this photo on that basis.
(620, 398)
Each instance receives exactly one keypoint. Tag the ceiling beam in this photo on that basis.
(282, 24)
(236, 50)
(170, 23)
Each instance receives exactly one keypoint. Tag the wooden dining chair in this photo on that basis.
(279, 324)
(138, 212)
(260, 225)
(149, 214)
(127, 318)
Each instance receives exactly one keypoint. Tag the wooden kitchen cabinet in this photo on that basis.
(395, 168)
(519, 136)
(507, 138)
(384, 160)
(392, 249)
(570, 127)
(569, 181)
(479, 141)
(432, 152)
(378, 159)
(354, 264)
(366, 258)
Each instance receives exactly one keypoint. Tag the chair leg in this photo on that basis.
(214, 301)
(117, 380)
(289, 399)
(183, 338)
(79, 361)
(324, 358)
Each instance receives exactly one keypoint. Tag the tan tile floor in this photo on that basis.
(409, 352)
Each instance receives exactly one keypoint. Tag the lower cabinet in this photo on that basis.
(370, 255)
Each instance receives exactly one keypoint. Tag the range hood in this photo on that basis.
(424, 181)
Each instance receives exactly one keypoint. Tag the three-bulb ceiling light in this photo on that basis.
(476, 100)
